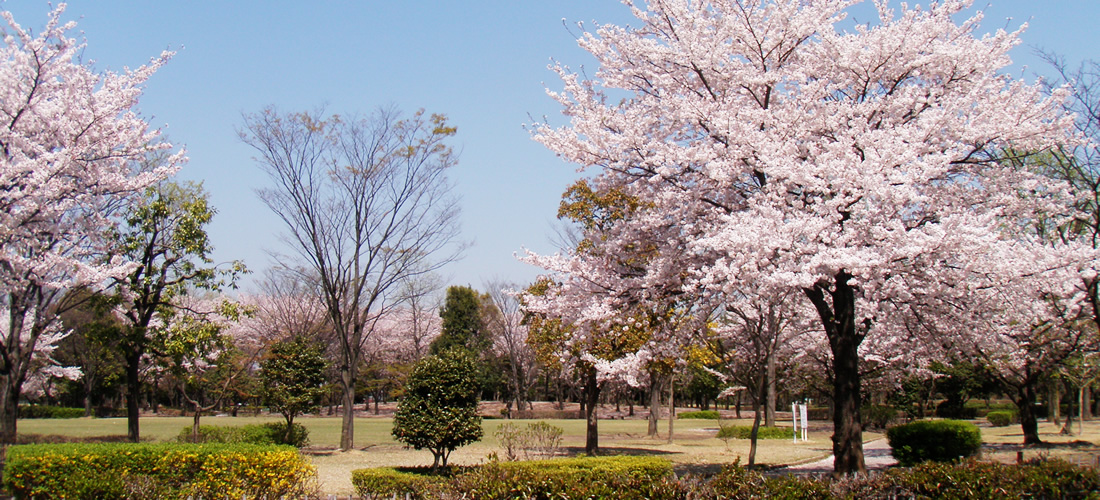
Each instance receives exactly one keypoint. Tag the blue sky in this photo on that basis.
(482, 63)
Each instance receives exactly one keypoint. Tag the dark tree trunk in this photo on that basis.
(654, 404)
(592, 396)
(760, 395)
(671, 405)
(9, 408)
(839, 322)
(1028, 423)
(133, 393)
(769, 410)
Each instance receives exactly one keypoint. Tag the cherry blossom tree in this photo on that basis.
(509, 334)
(69, 143)
(858, 166)
(201, 342)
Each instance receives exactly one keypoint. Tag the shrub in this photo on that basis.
(265, 434)
(43, 411)
(1000, 418)
(819, 413)
(389, 482)
(745, 432)
(439, 408)
(539, 440)
(164, 470)
(955, 410)
(878, 416)
(735, 483)
(981, 480)
(937, 440)
(704, 415)
(588, 477)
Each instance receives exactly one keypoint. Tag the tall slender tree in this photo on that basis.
(367, 206)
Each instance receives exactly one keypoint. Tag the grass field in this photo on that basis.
(695, 447)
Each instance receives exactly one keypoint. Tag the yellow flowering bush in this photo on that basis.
(157, 471)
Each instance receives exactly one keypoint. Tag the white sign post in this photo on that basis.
(794, 415)
(805, 424)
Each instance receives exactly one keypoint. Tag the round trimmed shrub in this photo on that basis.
(936, 440)
(1000, 418)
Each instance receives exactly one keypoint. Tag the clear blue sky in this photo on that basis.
(483, 63)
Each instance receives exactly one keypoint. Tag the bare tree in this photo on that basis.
(367, 205)
(510, 338)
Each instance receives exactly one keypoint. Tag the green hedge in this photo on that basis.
(628, 478)
(587, 477)
(936, 440)
(745, 432)
(269, 433)
(968, 480)
(703, 415)
(164, 470)
(387, 482)
(1000, 418)
(42, 411)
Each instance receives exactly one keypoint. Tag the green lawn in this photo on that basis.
(694, 439)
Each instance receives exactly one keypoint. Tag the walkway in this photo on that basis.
(876, 454)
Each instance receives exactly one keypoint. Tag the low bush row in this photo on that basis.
(563, 478)
(627, 478)
(267, 434)
(43, 411)
(703, 415)
(745, 432)
(164, 470)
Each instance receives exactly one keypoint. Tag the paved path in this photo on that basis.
(876, 454)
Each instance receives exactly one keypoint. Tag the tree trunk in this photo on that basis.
(754, 433)
(1086, 401)
(347, 424)
(671, 405)
(195, 422)
(1028, 422)
(769, 410)
(133, 392)
(839, 322)
(654, 404)
(592, 395)
(1054, 399)
(737, 408)
(9, 408)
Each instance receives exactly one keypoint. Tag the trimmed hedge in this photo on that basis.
(1001, 418)
(968, 480)
(564, 478)
(936, 440)
(163, 470)
(745, 432)
(703, 415)
(265, 434)
(387, 482)
(628, 478)
(43, 411)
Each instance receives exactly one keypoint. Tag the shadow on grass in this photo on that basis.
(56, 438)
(577, 451)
